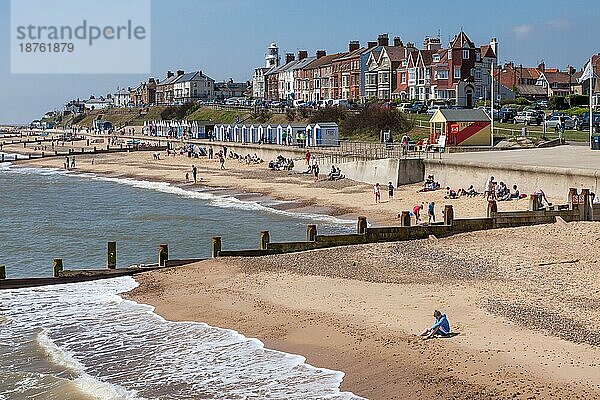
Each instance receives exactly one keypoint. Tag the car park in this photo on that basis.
(405, 108)
(526, 117)
(507, 114)
(418, 108)
(559, 121)
(431, 110)
(584, 123)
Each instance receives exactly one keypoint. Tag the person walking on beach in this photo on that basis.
(441, 327)
(431, 212)
(67, 164)
(187, 177)
(307, 157)
(316, 171)
(377, 193)
(222, 161)
(194, 173)
(390, 190)
(73, 162)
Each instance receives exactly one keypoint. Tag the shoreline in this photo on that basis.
(345, 198)
(365, 325)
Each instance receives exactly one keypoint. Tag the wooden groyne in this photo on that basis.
(81, 151)
(61, 276)
(579, 208)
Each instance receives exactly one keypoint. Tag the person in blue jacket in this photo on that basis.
(441, 326)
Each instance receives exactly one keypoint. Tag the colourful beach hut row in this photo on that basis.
(179, 129)
(314, 135)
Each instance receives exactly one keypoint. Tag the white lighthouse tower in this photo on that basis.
(272, 57)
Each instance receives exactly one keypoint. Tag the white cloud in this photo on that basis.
(522, 31)
(559, 23)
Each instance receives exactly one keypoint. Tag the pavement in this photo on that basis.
(567, 156)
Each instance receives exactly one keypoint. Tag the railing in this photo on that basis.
(377, 151)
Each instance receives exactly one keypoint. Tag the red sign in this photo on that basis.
(454, 128)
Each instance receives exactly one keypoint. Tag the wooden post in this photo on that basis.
(57, 267)
(448, 214)
(311, 233)
(534, 202)
(163, 254)
(405, 218)
(572, 193)
(111, 255)
(264, 240)
(361, 226)
(585, 212)
(2, 272)
(216, 246)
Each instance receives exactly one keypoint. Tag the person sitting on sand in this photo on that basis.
(541, 196)
(515, 194)
(450, 193)
(441, 327)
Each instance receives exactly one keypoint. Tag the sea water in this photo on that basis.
(83, 341)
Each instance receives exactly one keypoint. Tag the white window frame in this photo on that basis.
(465, 54)
(456, 76)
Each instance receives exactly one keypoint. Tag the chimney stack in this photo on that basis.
(432, 43)
(353, 45)
(169, 74)
(397, 41)
(180, 72)
(302, 54)
(150, 80)
(383, 40)
(321, 53)
(289, 57)
(370, 45)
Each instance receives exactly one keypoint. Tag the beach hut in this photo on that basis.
(219, 132)
(262, 131)
(254, 134)
(280, 130)
(326, 134)
(460, 128)
(309, 131)
(245, 129)
(270, 134)
(294, 131)
(237, 133)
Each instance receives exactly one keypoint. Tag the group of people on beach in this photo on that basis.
(69, 163)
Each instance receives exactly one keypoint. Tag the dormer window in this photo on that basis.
(436, 58)
(404, 63)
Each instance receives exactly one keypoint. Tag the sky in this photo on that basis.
(228, 39)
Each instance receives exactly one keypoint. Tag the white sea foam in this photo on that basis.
(117, 349)
(83, 381)
(211, 198)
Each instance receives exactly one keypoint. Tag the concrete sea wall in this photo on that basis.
(553, 181)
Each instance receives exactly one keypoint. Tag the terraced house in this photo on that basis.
(347, 69)
(459, 74)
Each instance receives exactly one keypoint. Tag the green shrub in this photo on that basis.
(557, 103)
(373, 119)
(179, 112)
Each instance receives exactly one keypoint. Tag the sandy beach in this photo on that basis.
(521, 311)
(342, 198)
(522, 300)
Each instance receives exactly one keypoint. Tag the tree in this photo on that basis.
(557, 103)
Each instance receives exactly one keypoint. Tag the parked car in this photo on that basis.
(584, 122)
(431, 110)
(558, 121)
(526, 117)
(405, 108)
(488, 111)
(507, 114)
(542, 103)
(418, 108)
